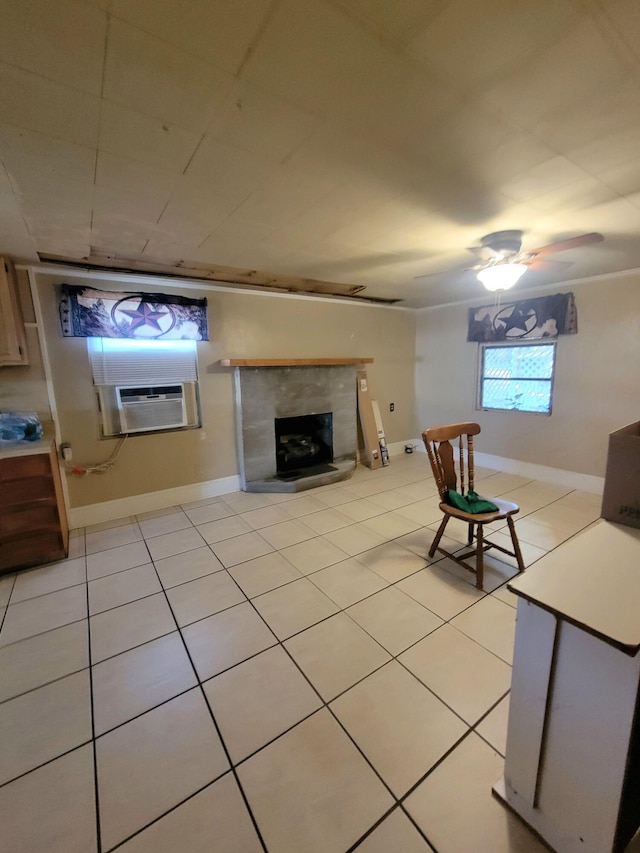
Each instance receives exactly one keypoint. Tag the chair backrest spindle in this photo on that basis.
(470, 463)
(441, 457)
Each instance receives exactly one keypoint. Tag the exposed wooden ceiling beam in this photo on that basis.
(221, 274)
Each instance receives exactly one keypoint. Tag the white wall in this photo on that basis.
(597, 383)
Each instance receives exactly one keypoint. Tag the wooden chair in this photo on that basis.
(441, 456)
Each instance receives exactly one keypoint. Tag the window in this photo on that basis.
(517, 377)
(144, 386)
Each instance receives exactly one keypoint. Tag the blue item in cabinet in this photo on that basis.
(20, 426)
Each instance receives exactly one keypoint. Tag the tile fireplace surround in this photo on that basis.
(267, 391)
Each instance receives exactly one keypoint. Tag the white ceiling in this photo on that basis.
(355, 141)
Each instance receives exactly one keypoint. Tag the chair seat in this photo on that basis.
(505, 509)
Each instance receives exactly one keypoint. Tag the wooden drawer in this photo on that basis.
(23, 467)
(44, 547)
(29, 519)
(35, 489)
(33, 521)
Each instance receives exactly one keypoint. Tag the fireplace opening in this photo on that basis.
(304, 445)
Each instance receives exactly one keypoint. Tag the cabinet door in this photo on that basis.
(33, 522)
(13, 348)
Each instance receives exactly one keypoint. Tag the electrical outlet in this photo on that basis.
(392, 407)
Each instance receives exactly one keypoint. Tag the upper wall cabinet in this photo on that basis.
(13, 348)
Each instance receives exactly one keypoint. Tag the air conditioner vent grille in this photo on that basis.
(156, 414)
(149, 408)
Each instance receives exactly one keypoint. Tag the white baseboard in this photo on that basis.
(82, 516)
(570, 479)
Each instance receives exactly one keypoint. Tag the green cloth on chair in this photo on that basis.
(470, 502)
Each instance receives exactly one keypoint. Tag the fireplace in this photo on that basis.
(304, 445)
(274, 401)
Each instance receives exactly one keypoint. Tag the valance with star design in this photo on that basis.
(527, 319)
(86, 312)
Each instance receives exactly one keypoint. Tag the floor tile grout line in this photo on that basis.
(479, 722)
(215, 723)
(5, 607)
(168, 811)
(45, 763)
(52, 591)
(137, 716)
(40, 633)
(434, 767)
(397, 807)
(93, 720)
(44, 683)
(416, 826)
(373, 828)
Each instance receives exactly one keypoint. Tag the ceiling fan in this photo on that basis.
(502, 261)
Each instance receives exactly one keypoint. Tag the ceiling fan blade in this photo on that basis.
(571, 243)
(485, 253)
(431, 274)
(547, 266)
(447, 272)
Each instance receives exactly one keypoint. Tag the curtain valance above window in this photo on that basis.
(530, 319)
(86, 312)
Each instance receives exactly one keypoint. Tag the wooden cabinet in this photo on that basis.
(572, 764)
(13, 347)
(33, 522)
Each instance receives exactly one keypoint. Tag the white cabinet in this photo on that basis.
(13, 348)
(572, 764)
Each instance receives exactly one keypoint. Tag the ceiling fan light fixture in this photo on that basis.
(501, 276)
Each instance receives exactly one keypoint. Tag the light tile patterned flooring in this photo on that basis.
(283, 672)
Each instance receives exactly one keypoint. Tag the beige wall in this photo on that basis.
(241, 325)
(597, 383)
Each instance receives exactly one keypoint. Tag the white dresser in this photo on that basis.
(572, 767)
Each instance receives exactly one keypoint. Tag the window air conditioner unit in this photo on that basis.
(151, 408)
(145, 408)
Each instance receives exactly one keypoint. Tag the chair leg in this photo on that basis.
(516, 543)
(479, 558)
(436, 541)
(470, 536)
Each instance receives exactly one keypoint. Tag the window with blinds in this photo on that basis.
(144, 386)
(115, 361)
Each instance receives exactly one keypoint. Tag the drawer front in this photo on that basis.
(39, 548)
(31, 518)
(16, 492)
(19, 467)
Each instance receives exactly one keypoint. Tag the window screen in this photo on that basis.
(517, 377)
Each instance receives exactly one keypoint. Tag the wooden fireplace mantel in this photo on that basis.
(291, 362)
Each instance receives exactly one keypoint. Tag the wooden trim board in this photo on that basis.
(291, 362)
